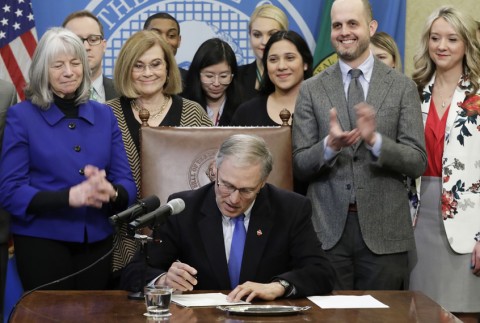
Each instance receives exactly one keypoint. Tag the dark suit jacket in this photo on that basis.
(247, 76)
(109, 87)
(183, 74)
(382, 200)
(280, 242)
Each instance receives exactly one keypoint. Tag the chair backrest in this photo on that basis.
(175, 159)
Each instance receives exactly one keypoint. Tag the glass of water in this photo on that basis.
(157, 300)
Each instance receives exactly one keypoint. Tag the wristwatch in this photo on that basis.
(286, 285)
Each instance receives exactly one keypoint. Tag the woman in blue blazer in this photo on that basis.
(63, 171)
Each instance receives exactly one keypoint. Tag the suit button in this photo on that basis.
(81, 171)
(355, 158)
(349, 186)
(77, 149)
(71, 125)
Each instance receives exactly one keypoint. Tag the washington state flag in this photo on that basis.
(390, 15)
(324, 55)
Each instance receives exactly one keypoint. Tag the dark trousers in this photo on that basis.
(357, 268)
(40, 261)
(3, 275)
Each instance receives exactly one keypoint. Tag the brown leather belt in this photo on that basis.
(352, 208)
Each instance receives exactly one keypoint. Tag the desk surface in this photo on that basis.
(113, 306)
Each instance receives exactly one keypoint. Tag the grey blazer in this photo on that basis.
(381, 197)
(8, 97)
(109, 87)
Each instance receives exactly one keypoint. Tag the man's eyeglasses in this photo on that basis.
(155, 65)
(210, 78)
(227, 189)
(93, 40)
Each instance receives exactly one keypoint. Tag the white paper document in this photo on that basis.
(347, 301)
(206, 299)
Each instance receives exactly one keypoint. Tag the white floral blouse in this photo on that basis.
(460, 200)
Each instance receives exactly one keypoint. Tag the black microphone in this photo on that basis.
(173, 207)
(143, 206)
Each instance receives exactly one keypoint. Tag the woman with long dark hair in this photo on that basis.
(287, 62)
(211, 81)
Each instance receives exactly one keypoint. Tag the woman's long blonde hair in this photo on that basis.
(465, 27)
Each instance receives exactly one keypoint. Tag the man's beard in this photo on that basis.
(349, 55)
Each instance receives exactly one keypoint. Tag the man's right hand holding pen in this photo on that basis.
(180, 276)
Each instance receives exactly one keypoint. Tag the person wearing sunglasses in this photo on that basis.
(90, 30)
(211, 81)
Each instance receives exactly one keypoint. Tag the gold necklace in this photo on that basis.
(154, 113)
(443, 101)
(441, 97)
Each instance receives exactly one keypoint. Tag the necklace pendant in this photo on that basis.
(443, 104)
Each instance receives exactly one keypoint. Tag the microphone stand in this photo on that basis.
(143, 239)
(143, 249)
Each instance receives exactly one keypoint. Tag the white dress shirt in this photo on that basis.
(97, 84)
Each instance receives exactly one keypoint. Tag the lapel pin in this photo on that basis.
(259, 233)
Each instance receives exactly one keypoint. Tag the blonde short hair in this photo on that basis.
(136, 46)
(271, 12)
(386, 42)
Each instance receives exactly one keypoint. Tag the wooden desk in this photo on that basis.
(113, 306)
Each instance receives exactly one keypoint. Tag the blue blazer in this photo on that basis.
(45, 151)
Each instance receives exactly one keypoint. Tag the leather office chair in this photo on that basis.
(175, 159)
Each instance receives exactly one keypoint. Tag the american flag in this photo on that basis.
(18, 39)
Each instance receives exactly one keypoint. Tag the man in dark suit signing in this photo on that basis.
(282, 256)
(355, 158)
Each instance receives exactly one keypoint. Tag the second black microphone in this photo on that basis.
(159, 215)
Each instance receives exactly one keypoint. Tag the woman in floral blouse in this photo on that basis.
(446, 264)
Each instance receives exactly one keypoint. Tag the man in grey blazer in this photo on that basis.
(8, 97)
(90, 30)
(355, 168)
